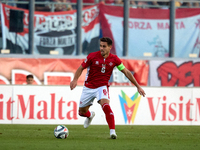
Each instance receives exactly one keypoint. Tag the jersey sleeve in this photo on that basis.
(86, 63)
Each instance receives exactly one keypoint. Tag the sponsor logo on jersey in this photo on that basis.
(97, 62)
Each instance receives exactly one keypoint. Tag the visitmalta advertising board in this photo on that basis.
(59, 105)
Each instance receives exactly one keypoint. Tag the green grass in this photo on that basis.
(96, 137)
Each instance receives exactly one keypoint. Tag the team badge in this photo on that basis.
(110, 63)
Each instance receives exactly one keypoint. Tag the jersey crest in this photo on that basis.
(110, 63)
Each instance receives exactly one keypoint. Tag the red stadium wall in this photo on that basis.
(59, 71)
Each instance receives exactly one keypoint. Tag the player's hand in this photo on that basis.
(141, 91)
(73, 84)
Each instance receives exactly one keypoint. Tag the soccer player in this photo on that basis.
(29, 79)
(99, 66)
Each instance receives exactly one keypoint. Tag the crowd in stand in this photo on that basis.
(44, 5)
(147, 4)
(65, 5)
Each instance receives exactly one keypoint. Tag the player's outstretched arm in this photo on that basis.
(78, 73)
(130, 76)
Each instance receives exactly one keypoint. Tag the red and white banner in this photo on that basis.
(53, 31)
(61, 71)
(149, 31)
(174, 73)
(59, 105)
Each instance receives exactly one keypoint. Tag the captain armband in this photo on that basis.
(120, 67)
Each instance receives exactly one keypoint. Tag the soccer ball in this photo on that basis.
(61, 132)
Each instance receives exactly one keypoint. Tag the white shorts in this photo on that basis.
(88, 95)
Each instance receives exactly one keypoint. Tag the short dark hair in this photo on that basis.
(106, 39)
(29, 76)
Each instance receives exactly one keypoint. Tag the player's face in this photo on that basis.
(29, 81)
(105, 49)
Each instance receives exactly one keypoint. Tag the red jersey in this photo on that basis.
(99, 69)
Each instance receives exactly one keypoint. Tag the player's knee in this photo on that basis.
(103, 101)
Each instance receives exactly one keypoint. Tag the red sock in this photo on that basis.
(87, 114)
(109, 115)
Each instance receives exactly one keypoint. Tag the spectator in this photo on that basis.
(133, 4)
(44, 6)
(118, 2)
(186, 4)
(190, 4)
(196, 4)
(145, 4)
(84, 1)
(142, 4)
(29, 79)
(63, 7)
(177, 4)
(163, 5)
(155, 3)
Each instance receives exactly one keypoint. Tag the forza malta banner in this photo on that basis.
(149, 31)
(35, 104)
(52, 31)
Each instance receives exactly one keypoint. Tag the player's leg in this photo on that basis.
(109, 116)
(84, 112)
(104, 102)
(86, 101)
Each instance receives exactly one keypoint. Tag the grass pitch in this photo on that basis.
(96, 137)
